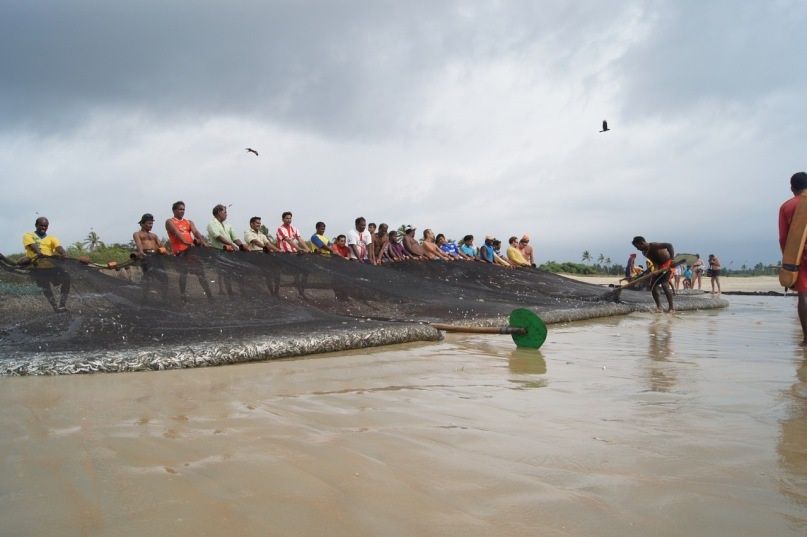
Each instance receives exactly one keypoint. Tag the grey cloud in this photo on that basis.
(349, 68)
(722, 51)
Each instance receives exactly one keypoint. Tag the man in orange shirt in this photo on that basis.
(183, 235)
(798, 183)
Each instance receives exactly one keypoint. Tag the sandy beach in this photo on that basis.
(754, 284)
(644, 424)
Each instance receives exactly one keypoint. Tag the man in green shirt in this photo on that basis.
(221, 233)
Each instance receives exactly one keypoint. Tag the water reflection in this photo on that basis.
(660, 371)
(792, 445)
(527, 362)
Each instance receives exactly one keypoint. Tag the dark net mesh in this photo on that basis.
(219, 297)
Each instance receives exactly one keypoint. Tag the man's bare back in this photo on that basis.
(659, 252)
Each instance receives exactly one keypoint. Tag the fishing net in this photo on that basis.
(210, 307)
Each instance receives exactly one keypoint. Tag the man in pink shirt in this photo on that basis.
(288, 236)
(798, 184)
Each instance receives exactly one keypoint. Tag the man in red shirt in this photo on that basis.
(798, 183)
(182, 233)
(183, 236)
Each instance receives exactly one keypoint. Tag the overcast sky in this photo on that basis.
(466, 117)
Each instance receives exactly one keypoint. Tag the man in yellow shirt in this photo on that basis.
(514, 255)
(39, 246)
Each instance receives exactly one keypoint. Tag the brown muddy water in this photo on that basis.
(649, 424)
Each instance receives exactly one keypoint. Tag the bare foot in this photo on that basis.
(671, 310)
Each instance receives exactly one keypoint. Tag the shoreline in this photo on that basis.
(728, 284)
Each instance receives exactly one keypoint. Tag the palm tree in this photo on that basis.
(607, 260)
(78, 246)
(586, 257)
(600, 258)
(93, 241)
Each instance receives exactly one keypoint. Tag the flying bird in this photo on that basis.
(249, 149)
(605, 126)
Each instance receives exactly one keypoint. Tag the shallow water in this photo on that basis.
(692, 424)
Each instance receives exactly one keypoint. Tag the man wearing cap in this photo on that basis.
(148, 245)
(221, 233)
(486, 253)
(411, 245)
(145, 241)
(526, 250)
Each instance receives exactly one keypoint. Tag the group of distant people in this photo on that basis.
(364, 243)
(664, 274)
(688, 276)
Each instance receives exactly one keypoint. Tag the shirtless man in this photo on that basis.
(148, 244)
(526, 250)
(430, 247)
(661, 254)
(380, 239)
(145, 241)
(411, 245)
(515, 255)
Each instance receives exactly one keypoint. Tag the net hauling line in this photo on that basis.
(680, 259)
(525, 327)
(25, 262)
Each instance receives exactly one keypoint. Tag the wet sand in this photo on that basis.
(760, 284)
(647, 424)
